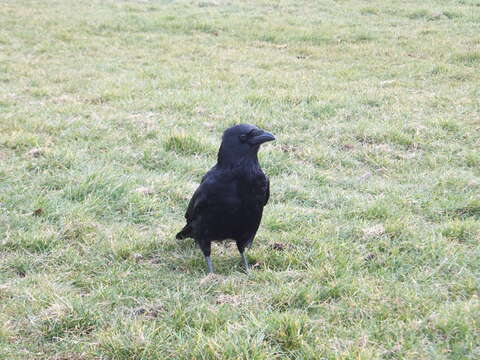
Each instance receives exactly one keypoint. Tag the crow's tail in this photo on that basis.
(186, 232)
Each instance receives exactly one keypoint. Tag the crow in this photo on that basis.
(228, 204)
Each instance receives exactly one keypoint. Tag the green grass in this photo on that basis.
(110, 113)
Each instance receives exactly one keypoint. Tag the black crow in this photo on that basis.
(229, 202)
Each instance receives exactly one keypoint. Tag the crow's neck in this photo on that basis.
(231, 160)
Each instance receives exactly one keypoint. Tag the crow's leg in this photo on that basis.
(206, 246)
(250, 242)
(245, 262)
(209, 264)
(241, 249)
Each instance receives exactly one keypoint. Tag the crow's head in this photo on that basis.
(240, 142)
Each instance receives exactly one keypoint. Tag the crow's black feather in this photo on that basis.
(229, 202)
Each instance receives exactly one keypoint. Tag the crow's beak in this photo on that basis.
(262, 138)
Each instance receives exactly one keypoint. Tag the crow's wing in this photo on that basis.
(217, 193)
(267, 192)
(197, 201)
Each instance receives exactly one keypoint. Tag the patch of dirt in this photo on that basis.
(35, 152)
(144, 190)
(279, 246)
(228, 299)
(373, 231)
(37, 212)
(149, 311)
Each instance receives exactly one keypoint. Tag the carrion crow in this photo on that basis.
(229, 202)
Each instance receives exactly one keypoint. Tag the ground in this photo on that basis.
(110, 113)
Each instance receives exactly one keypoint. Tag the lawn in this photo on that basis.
(110, 113)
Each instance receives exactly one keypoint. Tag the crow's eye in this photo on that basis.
(243, 138)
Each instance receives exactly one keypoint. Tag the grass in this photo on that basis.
(110, 113)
